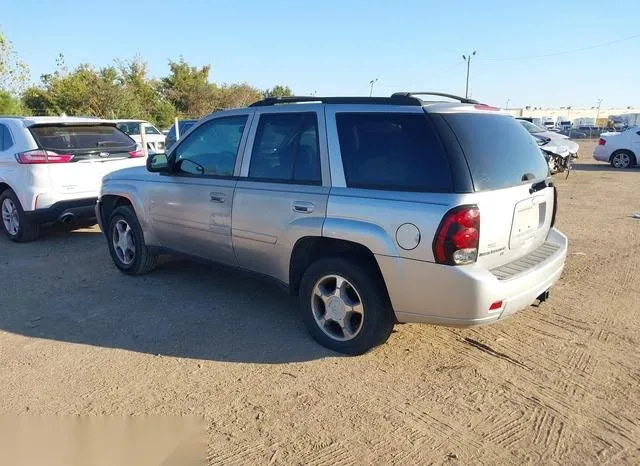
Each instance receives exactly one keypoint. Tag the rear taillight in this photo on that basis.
(134, 154)
(602, 142)
(458, 236)
(38, 156)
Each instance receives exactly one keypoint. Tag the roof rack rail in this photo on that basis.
(464, 100)
(393, 100)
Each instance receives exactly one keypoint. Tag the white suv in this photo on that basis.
(51, 169)
(154, 139)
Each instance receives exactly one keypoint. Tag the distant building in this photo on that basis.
(578, 116)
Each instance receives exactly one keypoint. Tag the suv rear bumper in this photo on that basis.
(70, 210)
(461, 296)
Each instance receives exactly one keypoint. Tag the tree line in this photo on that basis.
(121, 90)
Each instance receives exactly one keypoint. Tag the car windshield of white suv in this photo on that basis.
(133, 128)
(70, 137)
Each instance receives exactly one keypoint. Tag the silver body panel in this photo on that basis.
(259, 222)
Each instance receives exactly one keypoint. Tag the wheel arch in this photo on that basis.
(116, 196)
(309, 249)
(629, 151)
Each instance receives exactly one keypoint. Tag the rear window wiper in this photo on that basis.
(539, 186)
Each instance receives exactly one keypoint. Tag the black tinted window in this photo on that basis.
(69, 137)
(211, 150)
(499, 151)
(2, 132)
(392, 151)
(286, 148)
(8, 140)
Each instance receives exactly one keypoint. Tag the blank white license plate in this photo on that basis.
(527, 220)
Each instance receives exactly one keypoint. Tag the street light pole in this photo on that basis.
(467, 58)
(372, 82)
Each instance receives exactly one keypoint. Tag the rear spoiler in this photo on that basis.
(71, 123)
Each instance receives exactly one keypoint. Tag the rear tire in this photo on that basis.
(623, 159)
(126, 243)
(330, 292)
(14, 222)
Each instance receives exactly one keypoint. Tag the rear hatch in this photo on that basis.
(78, 155)
(510, 179)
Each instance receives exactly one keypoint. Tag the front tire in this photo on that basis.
(126, 243)
(14, 223)
(345, 306)
(623, 159)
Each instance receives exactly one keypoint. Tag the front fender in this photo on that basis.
(129, 191)
(367, 234)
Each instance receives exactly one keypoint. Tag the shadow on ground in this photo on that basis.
(64, 287)
(601, 167)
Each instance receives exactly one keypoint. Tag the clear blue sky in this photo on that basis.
(336, 47)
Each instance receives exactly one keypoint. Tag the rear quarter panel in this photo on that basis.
(372, 218)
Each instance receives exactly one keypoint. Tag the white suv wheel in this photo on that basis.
(10, 217)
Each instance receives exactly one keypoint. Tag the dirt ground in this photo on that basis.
(557, 384)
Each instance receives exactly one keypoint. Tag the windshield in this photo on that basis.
(70, 137)
(500, 153)
(533, 129)
(133, 128)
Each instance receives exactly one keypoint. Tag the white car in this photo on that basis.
(621, 150)
(153, 136)
(51, 169)
(560, 141)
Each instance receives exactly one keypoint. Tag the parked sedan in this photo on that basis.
(561, 141)
(621, 150)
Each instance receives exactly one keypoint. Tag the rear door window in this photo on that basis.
(286, 149)
(499, 151)
(392, 151)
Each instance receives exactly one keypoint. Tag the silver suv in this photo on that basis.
(372, 210)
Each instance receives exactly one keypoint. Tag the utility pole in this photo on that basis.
(467, 58)
(598, 112)
(506, 107)
(372, 82)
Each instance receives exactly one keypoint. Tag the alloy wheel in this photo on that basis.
(123, 242)
(10, 217)
(337, 307)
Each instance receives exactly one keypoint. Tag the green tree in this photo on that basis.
(237, 95)
(188, 89)
(278, 91)
(10, 105)
(14, 74)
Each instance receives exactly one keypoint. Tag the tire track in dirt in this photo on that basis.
(332, 454)
(239, 456)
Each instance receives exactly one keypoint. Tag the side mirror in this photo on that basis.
(158, 163)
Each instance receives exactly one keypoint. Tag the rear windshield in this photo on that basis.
(69, 137)
(499, 151)
(392, 151)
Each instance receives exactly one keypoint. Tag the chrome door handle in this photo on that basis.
(302, 207)
(217, 197)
